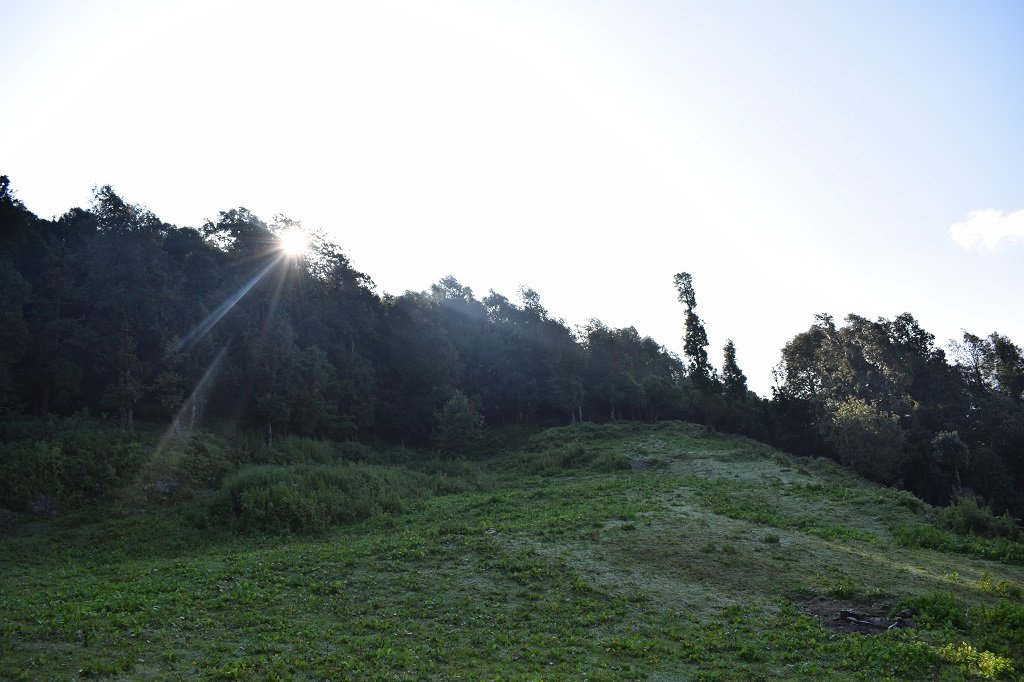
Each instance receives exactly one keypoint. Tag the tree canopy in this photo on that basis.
(109, 310)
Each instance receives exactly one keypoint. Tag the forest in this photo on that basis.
(108, 313)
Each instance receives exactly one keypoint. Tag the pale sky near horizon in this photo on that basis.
(795, 157)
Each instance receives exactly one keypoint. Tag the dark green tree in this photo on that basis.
(15, 293)
(421, 367)
(952, 454)
(867, 440)
(734, 381)
(458, 426)
(695, 344)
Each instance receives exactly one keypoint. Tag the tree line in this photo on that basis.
(111, 311)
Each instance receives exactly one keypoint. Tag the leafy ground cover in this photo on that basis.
(620, 552)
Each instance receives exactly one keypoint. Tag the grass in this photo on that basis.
(551, 562)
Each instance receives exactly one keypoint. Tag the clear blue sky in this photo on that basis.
(795, 157)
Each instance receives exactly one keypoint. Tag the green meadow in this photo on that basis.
(615, 552)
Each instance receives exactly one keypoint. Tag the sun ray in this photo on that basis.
(213, 318)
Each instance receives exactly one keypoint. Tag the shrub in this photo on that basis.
(295, 450)
(999, 627)
(909, 501)
(562, 436)
(74, 461)
(935, 610)
(974, 662)
(966, 517)
(307, 499)
(611, 461)
(353, 451)
(924, 536)
(204, 461)
(559, 460)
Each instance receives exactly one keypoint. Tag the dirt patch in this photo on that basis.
(849, 617)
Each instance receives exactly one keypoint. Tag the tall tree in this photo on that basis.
(734, 381)
(696, 339)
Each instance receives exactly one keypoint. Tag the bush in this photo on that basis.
(308, 499)
(560, 459)
(294, 450)
(965, 517)
(64, 461)
(353, 451)
(926, 537)
(204, 461)
(562, 436)
(611, 461)
(930, 537)
(974, 662)
(935, 610)
(999, 627)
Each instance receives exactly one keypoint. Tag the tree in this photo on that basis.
(612, 384)
(421, 367)
(993, 364)
(1008, 361)
(952, 454)
(696, 340)
(117, 217)
(866, 440)
(128, 386)
(14, 336)
(458, 426)
(275, 375)
(241, 233)
(733, 380)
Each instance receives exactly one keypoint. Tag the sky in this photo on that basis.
(795, 157)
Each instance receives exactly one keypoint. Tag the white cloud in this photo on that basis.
(986, 229)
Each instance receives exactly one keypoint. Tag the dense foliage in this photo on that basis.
(884, 400)
(110, 311)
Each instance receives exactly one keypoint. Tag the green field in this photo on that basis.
(621, 552)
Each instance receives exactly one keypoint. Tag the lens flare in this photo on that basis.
(294, 242)
(213, 318)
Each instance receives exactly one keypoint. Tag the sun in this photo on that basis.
(293, 242)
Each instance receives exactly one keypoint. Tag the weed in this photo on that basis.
(974, 662)
(844, 589)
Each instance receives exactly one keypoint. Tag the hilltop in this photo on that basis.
(614, 552)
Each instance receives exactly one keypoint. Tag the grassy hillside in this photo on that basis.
(594, 553)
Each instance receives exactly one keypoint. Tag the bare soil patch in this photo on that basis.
(849, 617)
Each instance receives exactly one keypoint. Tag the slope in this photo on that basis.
(617, 552)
